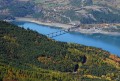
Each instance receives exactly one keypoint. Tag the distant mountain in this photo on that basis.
(63, 11)
(26, 55)
(110, 3)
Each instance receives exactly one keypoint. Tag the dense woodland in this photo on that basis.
(26, 55)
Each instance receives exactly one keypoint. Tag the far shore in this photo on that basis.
(66, 26)
(33, 20)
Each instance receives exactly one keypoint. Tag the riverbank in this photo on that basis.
(33, 20)
(97, 30)
(106, 42)
(87, 29)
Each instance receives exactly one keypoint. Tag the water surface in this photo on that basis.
(110, 43)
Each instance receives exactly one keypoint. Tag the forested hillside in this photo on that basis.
(26, 55)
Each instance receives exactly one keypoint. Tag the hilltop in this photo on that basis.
(26, 55)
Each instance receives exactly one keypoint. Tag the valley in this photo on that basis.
(27, 55)
(90, 14)
(88, 51)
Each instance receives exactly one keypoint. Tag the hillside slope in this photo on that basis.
(63, 11)
(26, 55)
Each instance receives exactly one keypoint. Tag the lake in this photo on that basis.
(110, 43)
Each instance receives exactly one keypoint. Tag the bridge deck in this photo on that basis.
(61, 32)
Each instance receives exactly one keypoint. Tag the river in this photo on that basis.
(110, 43)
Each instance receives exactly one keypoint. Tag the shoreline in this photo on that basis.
(66, 26)
(33, 20)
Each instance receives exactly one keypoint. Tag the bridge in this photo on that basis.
(61, 32)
